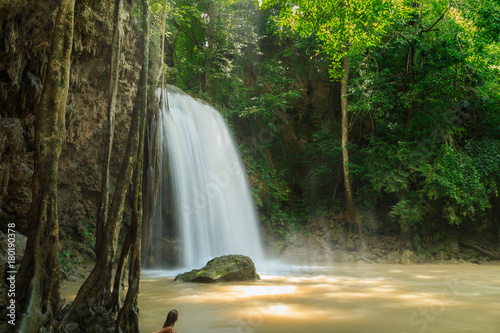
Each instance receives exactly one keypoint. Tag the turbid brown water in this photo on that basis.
(337, 298)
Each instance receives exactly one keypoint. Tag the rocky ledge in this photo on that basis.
(222, 269)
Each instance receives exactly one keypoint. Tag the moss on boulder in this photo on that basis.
(222, 269)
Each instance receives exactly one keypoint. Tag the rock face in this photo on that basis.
(222, 269)
(409, 258)
(339, 256)
(25, 35)
(14, 196)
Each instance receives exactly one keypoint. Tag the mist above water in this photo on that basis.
(211, 200)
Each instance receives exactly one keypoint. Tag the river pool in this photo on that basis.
(335, 298)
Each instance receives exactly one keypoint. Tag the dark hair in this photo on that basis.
(171, 318)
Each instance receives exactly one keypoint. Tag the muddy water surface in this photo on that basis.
(340, 298)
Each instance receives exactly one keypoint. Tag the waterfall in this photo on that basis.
(203, 183)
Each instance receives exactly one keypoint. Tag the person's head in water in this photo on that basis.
(171, 318)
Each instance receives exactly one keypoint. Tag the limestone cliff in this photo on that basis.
(25, 30)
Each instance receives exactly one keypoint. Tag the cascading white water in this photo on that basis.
(212, 202)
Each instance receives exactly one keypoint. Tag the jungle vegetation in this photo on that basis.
(414, 84)
(385, 108)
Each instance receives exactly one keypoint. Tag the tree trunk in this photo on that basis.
(128, 316)
(116, 301)
(152, 145)
(162, 33)
(39, 274)
(480, 249)
(151, 179)
(410, 64)
(103, 206)
(352, 212)
(209, 53)
(97, 287)
(410, 52)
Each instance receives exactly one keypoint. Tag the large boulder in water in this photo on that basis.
(222, 269)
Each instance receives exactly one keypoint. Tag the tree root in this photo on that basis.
(471, 245)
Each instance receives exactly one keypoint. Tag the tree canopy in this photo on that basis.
(342, 26)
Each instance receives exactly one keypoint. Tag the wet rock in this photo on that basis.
(409, 258)
(436, 247)
(276, 247)
(340, 256)
(341, 240)
(393, 257)
(331, 237)
(380, 261)
(222, 269)
(72, 327)
(451, 244)
(440, 255)
(469, 254)
(3, 286)
(11, 144)
(363, 251)
(320, 241)
(300, 248)
(350, 245)
(99, 320)
(368, 256)
(362, 246)
(11, 139)
(20, 246)
(298, 240)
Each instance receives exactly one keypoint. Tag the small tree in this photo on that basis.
(344, 28)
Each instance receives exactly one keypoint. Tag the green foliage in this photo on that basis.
(409, 213)
(89, 231)
(272, 185)
(324, 154)
(424, 101)
(206, 44)
(275, 92)
(454, 177)
(341, 26)
(422, 247)
(66, 260)
(281, 221)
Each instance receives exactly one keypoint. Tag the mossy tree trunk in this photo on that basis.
(116, 301)
(39, 274)
(152, 145)
(96, 289)
(128, 316)
(151, 179)
(352, 213)
(103, 205)
(162, 34)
